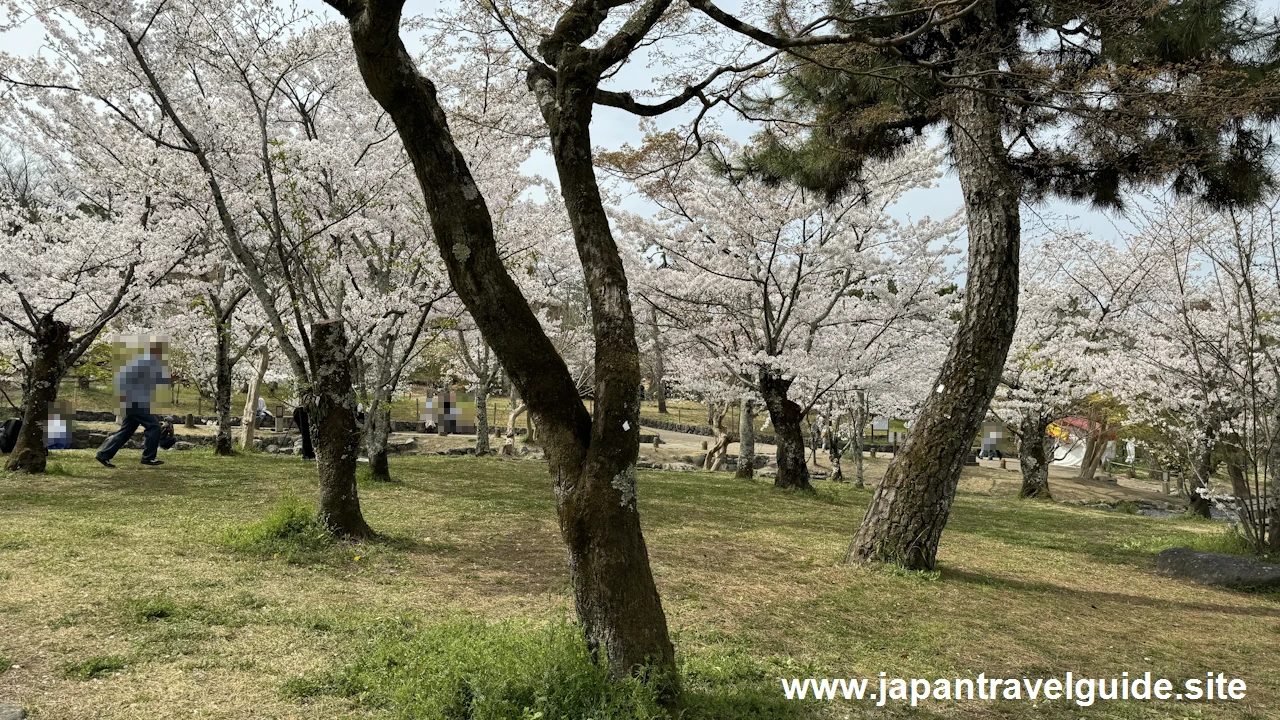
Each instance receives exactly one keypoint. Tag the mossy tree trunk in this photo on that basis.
(1199, 481)
(49, 349)
(222, 444)
(786, 416)
(336, 431)
(591, 457)
(1033, 459)
(376, 437)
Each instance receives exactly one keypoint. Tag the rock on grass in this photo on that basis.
(1217, 569)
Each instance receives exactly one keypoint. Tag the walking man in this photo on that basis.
(136, 384)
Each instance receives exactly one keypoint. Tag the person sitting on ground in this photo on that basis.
(264, 416)
(136, 384)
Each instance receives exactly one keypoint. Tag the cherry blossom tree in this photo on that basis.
(591, 455)
(776, 291)
(1076, 292)
(250, 117)
(220, 324)
(1202, 368)
(72, 263)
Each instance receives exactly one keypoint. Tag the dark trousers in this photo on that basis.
(300, 419)
(133, 417)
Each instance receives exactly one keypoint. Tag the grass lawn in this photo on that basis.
(158, 593)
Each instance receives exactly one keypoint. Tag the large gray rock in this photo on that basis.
(1217, 569)
(11, 712)
(407, 445)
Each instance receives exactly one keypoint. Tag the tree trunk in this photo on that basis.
(1272, 468)
(378, 420)
(222, 391)
(614, 591)
(659, 368)
(835, 449)
(514, 409)
(336, 431)
(747, 440)
(714, 459)
(592, 459)
(1034, 458)
(482, 418)
(249, 419)
(909, 510)
(1095, 445)
(1199, 504)
(785, 415)
(859, 437)
(815, 440)
(49, 351)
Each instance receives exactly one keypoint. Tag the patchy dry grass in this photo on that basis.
(157, 593)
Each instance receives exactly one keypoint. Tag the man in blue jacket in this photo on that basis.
(136, 384)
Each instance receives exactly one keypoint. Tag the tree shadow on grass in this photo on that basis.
(1093, 597)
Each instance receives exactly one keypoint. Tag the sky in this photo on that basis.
(612, 128)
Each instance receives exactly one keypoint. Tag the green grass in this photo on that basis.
(471, 669)
(290, 530)
(93, 667)
(467, 668)
(209, 587)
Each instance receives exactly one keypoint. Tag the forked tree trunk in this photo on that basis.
(1198, 503)
(910, 507)
(222, 392)
(336, 432)
(249, 419)
(49, 351)
(514, 409)
(786, 415)
(1094, 447)
(747, 440)
(716, 454)
(591, 457)
(1034, 458)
